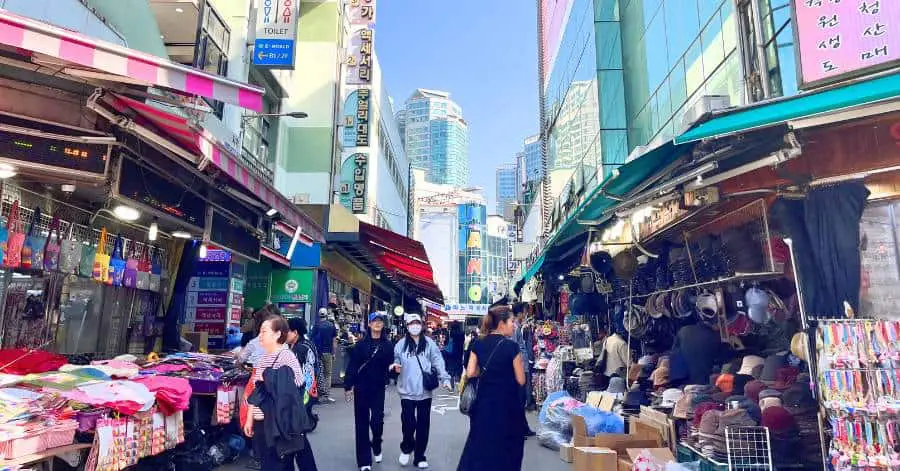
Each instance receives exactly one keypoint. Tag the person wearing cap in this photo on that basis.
(414, 355)
(702, 348)
(364, 383)
(325, 337)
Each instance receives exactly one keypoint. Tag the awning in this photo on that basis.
(134, 66)
(782, 110)
(200, 146)
(403, 258)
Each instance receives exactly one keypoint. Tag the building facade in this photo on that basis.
(436, 137)
(507, 193)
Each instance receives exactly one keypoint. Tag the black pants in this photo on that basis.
(269, 459)
(416, 420)
(368, 410)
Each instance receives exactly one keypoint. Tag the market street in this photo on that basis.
(333, 440)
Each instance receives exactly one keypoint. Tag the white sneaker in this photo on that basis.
(423, 465)
(378, 458)
(404, 459)
(365, 468)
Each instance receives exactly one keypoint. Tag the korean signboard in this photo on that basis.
(276, 33)
(359, 57)
(837, 39)
(292, 286)
(354, 174)
(362, 12)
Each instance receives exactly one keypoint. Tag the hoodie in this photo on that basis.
(410, 385)
(369, 362)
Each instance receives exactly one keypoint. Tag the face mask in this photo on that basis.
(415, 329)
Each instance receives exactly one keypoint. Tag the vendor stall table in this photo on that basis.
(46, 455)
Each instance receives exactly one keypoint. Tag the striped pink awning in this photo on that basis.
(199, 141)
(81, 50)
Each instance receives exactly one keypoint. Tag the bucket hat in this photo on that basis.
(735, 418)
(770, 367)
(757, 305)
(709, 424)
(798, 399)
(753, 389)
(767, 402)
(702, 409)
(778, 420)
(799, 345)
(660, 376)
(785, 377)
(749, 362)
(682, 408)
(670, 397)
(707, 306)
(725, 383)
(624, 265)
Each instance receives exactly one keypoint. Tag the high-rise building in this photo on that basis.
(532, 150)
(507, 190)
(436, 137)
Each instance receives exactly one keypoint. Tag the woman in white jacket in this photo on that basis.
(414, 355)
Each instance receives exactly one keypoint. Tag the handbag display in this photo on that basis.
(12, 256)
(100, 269)
(70, 253)
(117, 263)
(155, 272)
(129, 279)
(430, 380)
(52, 247)
(33, 250)
(470, 390)
(143, 270)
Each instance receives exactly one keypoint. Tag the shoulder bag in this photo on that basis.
(117, 263)
(70, 253)
(12, 257)
(33, 249)
(430, 380)
(470, 390)
(100, 271)
(52, 247)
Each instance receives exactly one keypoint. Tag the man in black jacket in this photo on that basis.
(365, 381)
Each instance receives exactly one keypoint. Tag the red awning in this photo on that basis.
(88, 55)
(403, 258)
(205, 147)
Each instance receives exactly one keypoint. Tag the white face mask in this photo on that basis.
(415, 329)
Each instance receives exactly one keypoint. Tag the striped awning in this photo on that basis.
(81, 51)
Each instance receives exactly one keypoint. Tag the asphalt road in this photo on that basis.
(333, 439)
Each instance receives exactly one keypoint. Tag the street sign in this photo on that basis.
(276, 33)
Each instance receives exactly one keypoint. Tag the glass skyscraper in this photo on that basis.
(507, 187)
(532, 158)
(436, 137)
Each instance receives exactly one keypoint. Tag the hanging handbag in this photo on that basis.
(470, 390)
(70, 253)
(33, 249)
(4, 236)
(52, 247)
(117, 264)
(88, 254)
(129, 279)
(100, 270)
(12, 256)
(430, 380)
(155, 272)
(143, 273)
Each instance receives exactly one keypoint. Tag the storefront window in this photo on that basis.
(879, 232)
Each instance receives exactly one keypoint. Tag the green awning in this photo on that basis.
(532, 270)
(800, 106)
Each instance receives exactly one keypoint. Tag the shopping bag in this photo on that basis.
(100, 270)
(33, 249)
(155, 272)
(70, 253)
(12, 256)
(129, 279)
(144, 267)
(4, 236)
(52, 246)
(117, 264)
(88, 254)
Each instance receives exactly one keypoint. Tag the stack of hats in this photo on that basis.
(616, 386)
(769, 398)
(785, 377)
(753, 389)
(660, 376)
(744, 253)
(771, 366)
(680, 267)
(670, 398)
(694, 394)
(784, 437)
(711, 443)
(699, 411)
(799, 401)
(746, 404)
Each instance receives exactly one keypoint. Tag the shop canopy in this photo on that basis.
(781, 111)
(200, 147)
(83, 56)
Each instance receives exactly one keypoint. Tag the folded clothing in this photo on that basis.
(20, 361)
(118, 368)
(126, 397)
(172, 394)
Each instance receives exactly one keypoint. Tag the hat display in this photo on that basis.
(684, 304)
(749, 362)
(799, 345)
(707, 306)
(709, 423)
(767, 393)
(740, 381)
(757, 305)
(702, 409)
(624, 265)
(660, 376)
(725, 383)
(771, 366)
(785, 377)
(735, 418)
(753, 389)
(682, 408)
(767, 402)
(670, 397)
(778, 420)
(616, 385)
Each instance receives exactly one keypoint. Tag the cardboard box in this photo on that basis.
(567, 452)
(661, 455)
(594, 459)
(579, 432)
(625, 464)
(622, 442)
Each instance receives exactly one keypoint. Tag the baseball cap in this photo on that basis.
(377, 316)
(707, 306)
(412, 317)
(757, 305)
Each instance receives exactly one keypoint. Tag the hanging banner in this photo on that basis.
(354, 176)
(276, 33)
(837, 40)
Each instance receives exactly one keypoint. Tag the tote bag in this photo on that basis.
(70, 253)
(144, 267)
(4, 236)
(117, 264)
(12, 256)
(86, 266)
(155, 272)
(129, 279)
(33, 249)
(100, 270)
(51, 247)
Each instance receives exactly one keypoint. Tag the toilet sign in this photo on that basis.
(276, 33)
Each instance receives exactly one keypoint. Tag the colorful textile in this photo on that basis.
(126, 397)
(20, 361)
(172, 394)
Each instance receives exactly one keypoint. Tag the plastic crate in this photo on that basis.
(61, 434)
(12, 447)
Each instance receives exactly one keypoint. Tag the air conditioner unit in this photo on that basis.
(301, 198)
(705, 104)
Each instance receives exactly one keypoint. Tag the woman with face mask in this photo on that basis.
(414, 357)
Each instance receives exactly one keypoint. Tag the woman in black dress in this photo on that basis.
(496, 422)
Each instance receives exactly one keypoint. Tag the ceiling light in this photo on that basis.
(7, 171)
(561, 277)
(179, 10)
(126, 213)
(181, 235)
(154, 230)
(204, 251)
(271, 212)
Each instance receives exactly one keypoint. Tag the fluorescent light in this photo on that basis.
(179, 10)
(126, 213)
(7, 171)
(561, 277)
(154, 230)
(181, 235)
(271, 212)
(204, 251)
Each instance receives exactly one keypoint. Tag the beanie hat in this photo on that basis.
(778, 420)
(725, 383)
(703, 409)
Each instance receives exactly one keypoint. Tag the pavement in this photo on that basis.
(333, 441)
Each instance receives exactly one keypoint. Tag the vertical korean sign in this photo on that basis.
(837, 39)
(276, 33)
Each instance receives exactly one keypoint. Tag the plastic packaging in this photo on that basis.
(599, 421)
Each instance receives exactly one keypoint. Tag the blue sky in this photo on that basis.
(484, 52)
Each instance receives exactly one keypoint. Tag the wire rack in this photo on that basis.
(749, 448)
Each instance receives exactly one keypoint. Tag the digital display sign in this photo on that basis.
(54, 152)
(151, 189)
(232, 236)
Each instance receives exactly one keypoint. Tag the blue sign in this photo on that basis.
(274, 53)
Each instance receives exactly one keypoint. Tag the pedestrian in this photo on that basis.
(518, 337)
(276, 403)
(307, 356)
(364, 383)
(325, 337)
(416, 356)
(453, 352)
(496, 440)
